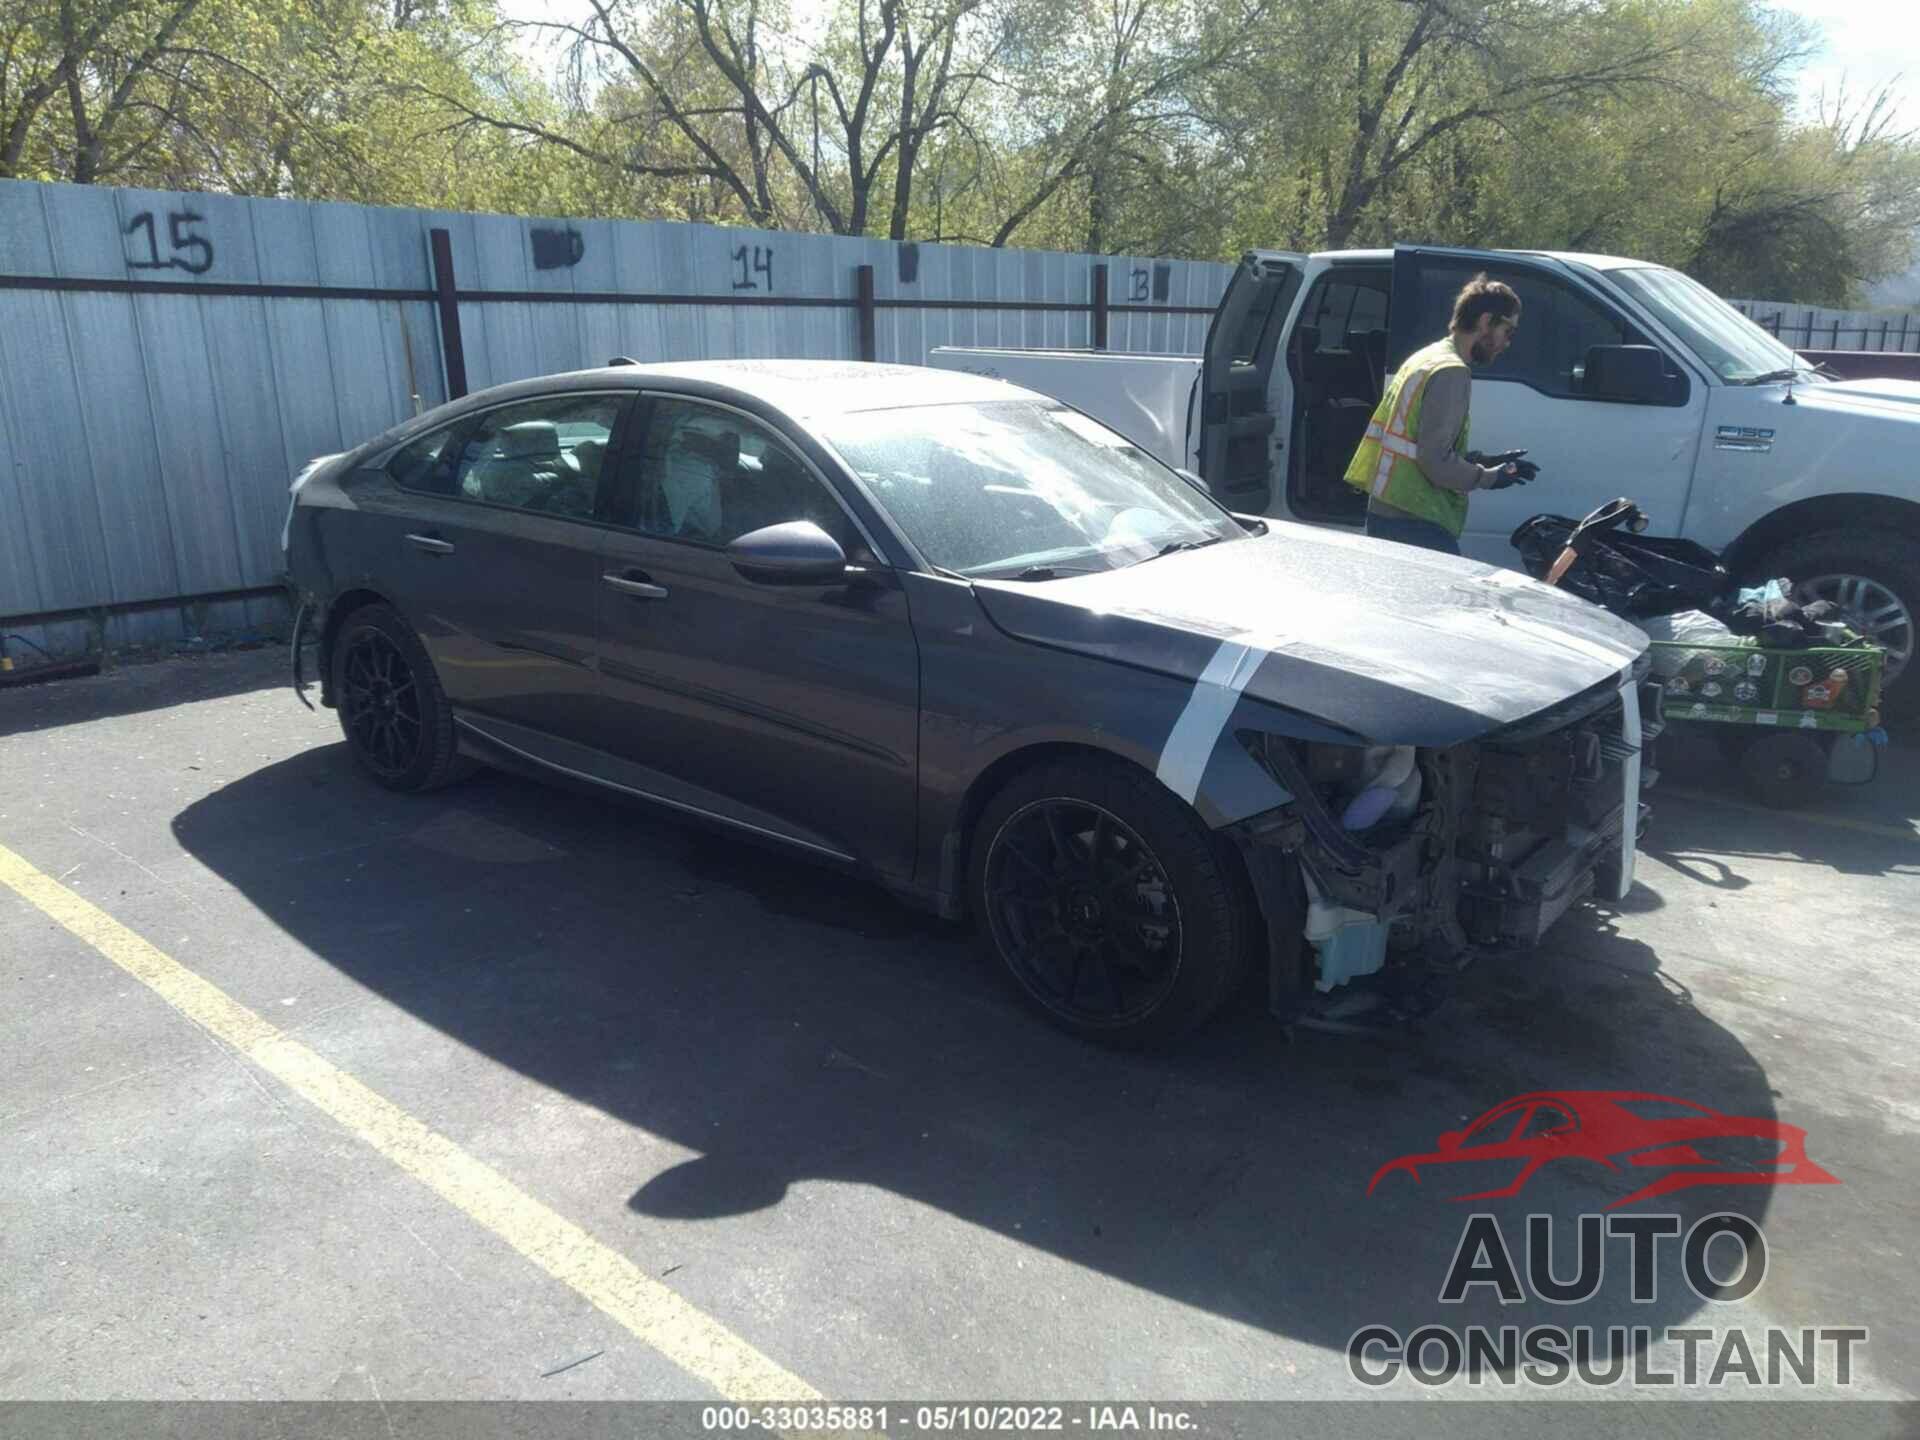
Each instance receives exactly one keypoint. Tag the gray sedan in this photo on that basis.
(964, 639)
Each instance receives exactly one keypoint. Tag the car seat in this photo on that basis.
(577, 484)
(696, 466)
(1373, 344)
(525, 460)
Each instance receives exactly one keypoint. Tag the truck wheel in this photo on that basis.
(1112, 907)
(1785, 770)
(1875, 580)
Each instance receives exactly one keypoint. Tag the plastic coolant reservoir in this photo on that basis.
(1349, 942)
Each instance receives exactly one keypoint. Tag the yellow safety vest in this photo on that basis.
(1385, 464)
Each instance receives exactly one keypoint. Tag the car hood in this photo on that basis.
(1387, 643)
(1898, 399)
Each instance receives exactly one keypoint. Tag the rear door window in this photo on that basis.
(546, 455)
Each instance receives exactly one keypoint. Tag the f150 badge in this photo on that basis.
(1743, 437)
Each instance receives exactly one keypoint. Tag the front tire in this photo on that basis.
(393, 712)
(1109, 904)
(1875, 580)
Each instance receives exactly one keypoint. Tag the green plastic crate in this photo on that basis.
(1751, 685)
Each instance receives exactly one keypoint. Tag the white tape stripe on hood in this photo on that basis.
(1183, 760)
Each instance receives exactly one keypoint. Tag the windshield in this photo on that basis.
(1720, 335)
(998, 488)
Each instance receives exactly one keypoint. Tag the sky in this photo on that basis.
(1868, 43)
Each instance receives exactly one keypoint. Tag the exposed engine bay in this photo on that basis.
(1415, 860)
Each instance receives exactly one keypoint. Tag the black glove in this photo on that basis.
(1519, 472)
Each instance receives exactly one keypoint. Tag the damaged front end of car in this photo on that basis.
(1390, 866)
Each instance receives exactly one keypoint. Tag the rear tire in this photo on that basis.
(393, 711)
(1876, 578)
(1113, 909)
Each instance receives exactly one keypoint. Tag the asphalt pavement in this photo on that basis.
(511, 1093)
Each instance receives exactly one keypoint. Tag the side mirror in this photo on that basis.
(797, 552)
(1625, 372)
(1451, 1140)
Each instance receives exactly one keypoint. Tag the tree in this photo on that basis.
(1811, 212)
(98, 63)
(257, 97)
(1096, 106)
(720, 93)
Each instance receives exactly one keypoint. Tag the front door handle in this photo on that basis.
(636, 584)
(432, 544)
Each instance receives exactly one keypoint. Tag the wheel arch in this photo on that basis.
(957, 846)
(1818, 514)
(338, 609)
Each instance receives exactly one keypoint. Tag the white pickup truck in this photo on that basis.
(1625, 378)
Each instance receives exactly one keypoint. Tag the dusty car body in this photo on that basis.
(1139, 778)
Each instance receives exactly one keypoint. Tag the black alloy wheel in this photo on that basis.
(1084, 913)
(380, 704)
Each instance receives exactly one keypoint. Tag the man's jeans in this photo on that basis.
(1424, 533)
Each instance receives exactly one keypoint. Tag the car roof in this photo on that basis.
(809, 388)
(803, 389)
(1572, 257)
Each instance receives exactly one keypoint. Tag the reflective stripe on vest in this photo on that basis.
(1386, 463)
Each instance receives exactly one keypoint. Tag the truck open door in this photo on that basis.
(1408, 321)
(1237, 420)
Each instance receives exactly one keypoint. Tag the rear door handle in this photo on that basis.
(432, 544)
(636, 584)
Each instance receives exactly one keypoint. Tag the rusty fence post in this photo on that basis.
(863, 288)
(452, 352)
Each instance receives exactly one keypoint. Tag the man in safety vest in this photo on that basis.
(1413, 463)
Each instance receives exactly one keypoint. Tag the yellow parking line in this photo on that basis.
(1809, 817)
(689, 1337)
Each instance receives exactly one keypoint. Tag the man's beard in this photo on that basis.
(1482, 352)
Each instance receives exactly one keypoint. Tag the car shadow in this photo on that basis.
(791, 1024)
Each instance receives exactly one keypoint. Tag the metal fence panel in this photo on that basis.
(185, 461)
(112, 444)
(253, 440)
